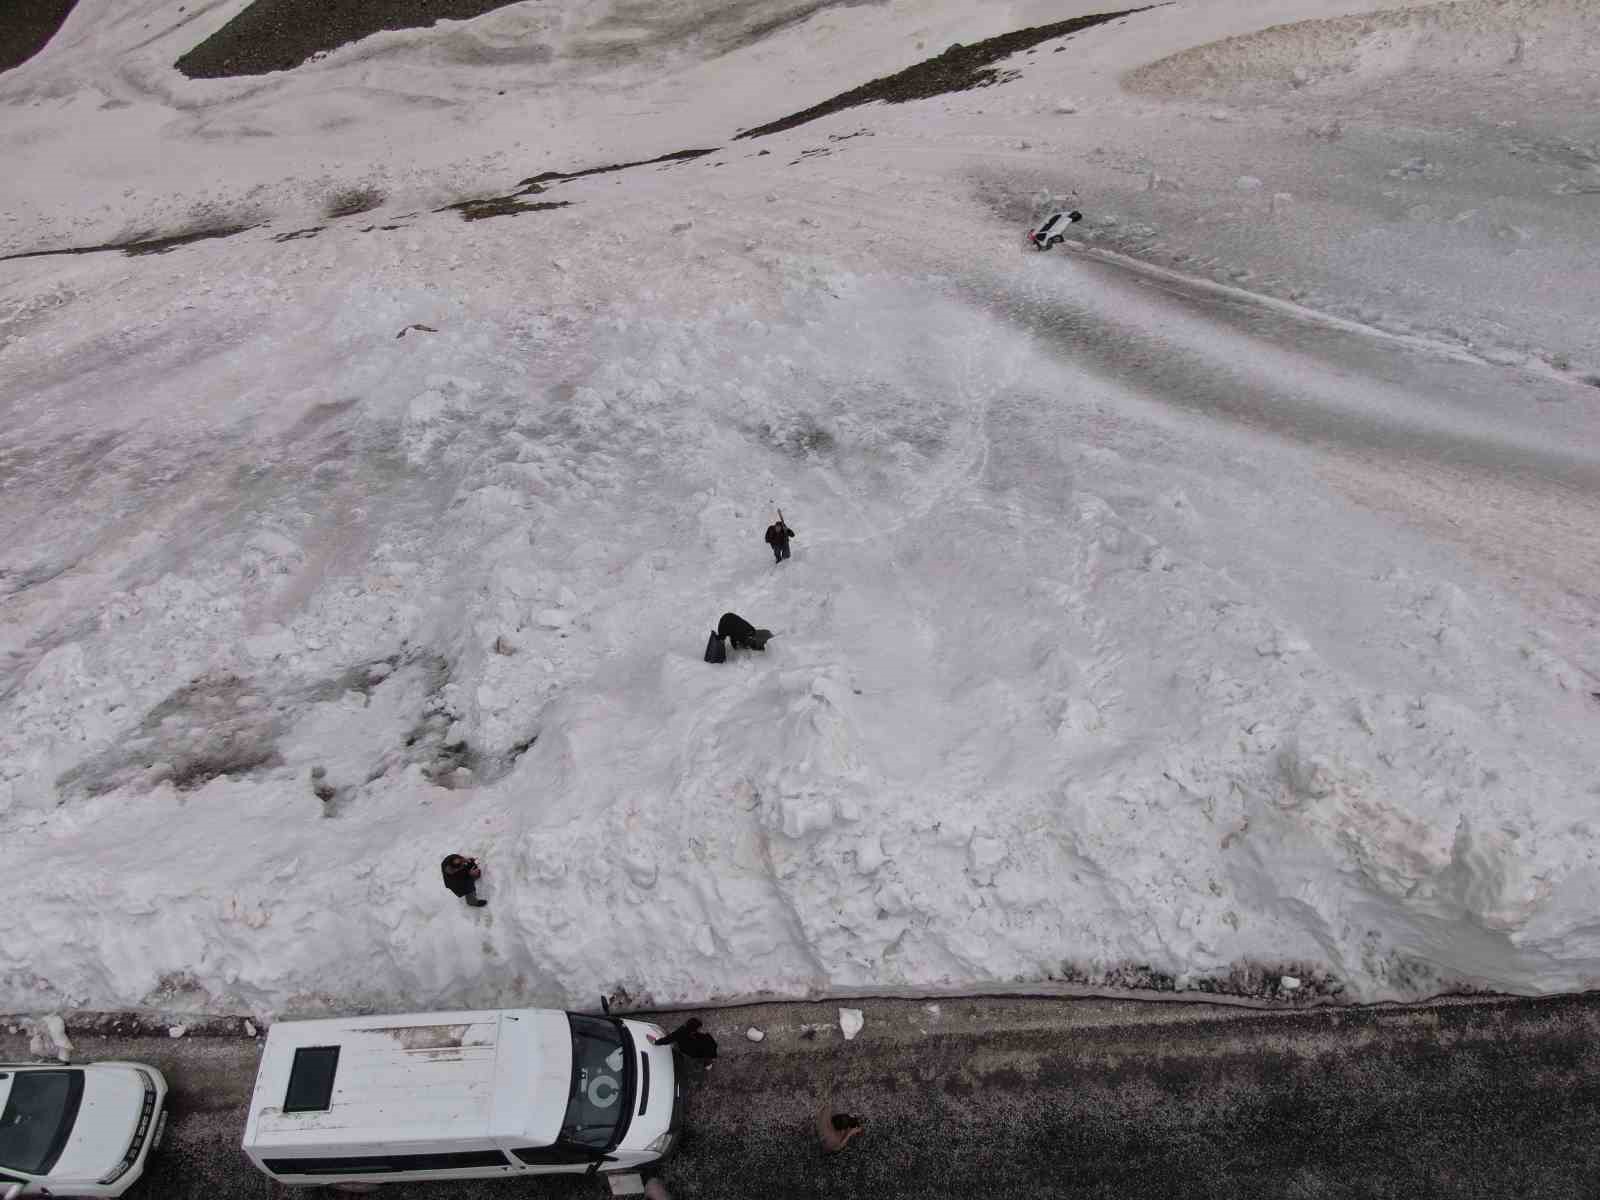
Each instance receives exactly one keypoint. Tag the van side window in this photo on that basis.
(548, 1155)
(386, 1164)
(311, 1079)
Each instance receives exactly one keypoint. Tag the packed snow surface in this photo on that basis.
(1209, 603)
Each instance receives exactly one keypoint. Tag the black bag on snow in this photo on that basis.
(715, 650)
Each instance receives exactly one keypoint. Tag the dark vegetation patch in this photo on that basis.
(536, 182)
(279, 35)
(351, 201)
(498, 206)
(958, 69)
(512, 204)
(300, 233)
(148, 244)
(26, 27)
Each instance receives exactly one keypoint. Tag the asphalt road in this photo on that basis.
(1483, 1098)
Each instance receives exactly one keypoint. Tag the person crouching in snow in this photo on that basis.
(461, 877)
(778, 535)
(742, 634)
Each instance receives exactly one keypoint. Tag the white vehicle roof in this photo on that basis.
(422, 1077)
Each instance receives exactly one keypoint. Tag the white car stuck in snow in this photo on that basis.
(1051, 231)
(77, 1130)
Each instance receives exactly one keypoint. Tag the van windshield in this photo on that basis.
(37, 1119)
(601, 1100)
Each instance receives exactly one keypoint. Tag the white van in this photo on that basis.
(460, 1095)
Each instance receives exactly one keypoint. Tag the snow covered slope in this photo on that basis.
(1138, 629)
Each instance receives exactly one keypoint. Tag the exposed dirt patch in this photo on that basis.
(216, 725)
(227, 725)
(351, 201)
(279, 35)
(1289, 983)
(513, 204)
(499, 206)
(147, 244)
(27, 27)
(536, 182)
(958, 69)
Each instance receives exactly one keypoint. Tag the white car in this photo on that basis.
(1051, 231)
(77, 1130)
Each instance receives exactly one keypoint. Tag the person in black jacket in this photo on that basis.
(691, 1039)
(742, 634)
(778, 535)
(461, 877)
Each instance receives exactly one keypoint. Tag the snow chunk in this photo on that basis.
(755, 1035)
(177, 1031)
(52, 1039)
(850, 1022)
(1247, 183)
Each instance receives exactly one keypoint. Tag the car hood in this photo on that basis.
(113, 1098)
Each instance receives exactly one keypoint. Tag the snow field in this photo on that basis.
(1068, 683)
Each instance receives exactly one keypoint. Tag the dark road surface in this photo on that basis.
(1485, 1098)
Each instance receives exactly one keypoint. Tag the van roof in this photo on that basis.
(422, 1077)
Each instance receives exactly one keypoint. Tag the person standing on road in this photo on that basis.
(691, 1039)
(778, 535)
(461, 877)
(834, 1130)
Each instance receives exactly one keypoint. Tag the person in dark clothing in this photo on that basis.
(461, 877)
(834, 1130)
(742, 634)
(778, 535)
(691, 1039)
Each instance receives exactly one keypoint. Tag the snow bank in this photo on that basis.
(1125, 639)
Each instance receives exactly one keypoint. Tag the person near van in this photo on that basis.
(778, 535)
(654, 1189)
(689, 1037)
(461, 877)
(834, 1130)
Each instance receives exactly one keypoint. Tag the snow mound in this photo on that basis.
(1470, 37)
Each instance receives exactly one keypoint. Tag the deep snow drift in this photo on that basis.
(1136, 630)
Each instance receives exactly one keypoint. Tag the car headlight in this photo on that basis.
(147, 1116)
(661, 1145)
